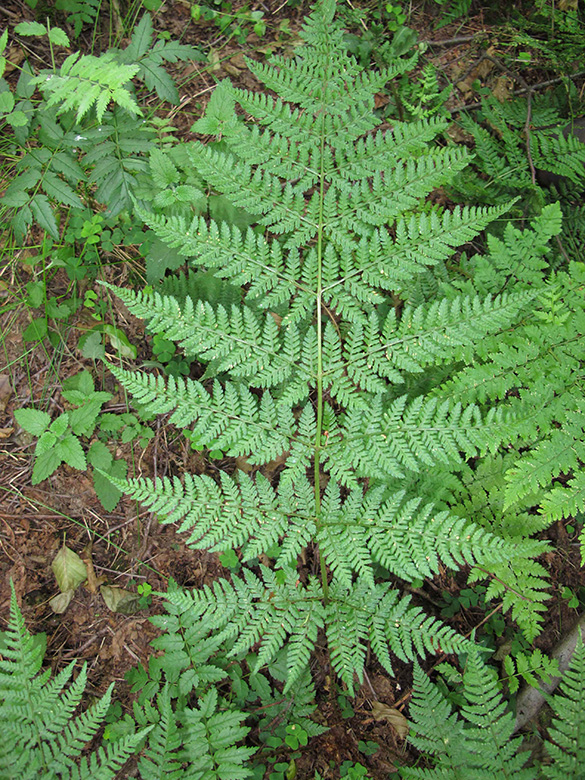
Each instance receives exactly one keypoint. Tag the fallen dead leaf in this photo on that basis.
(394, 717)
(61, 601)
(119, 599)
(14, 56)
(69, 570)
(5, 391)
(502, 89)
(239, 60)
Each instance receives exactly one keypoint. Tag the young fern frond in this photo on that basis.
(478, 743)
(41, 735)
(312, 365)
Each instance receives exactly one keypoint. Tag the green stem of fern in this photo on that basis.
(322, 564)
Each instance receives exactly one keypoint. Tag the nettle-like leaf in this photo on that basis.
(313, 371)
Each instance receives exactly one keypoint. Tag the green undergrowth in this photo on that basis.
(388, 389)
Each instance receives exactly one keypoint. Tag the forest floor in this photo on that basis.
(128, 547)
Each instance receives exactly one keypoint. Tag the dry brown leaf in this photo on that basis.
(14, 56)
(61, 601)
(239, 61)
(120, 599)
(69, 570)
(5, 391)
(503, 89)
(394, 717)
(6, 432)
(214, 60)
(232, 70)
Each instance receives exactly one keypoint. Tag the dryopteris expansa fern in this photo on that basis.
(313, 365)
(41, 735)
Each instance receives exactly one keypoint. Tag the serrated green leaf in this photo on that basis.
(21, 222)
(47, 440)
(58, 37)
(83, 419)
(141, 38)
(43, 213)
(164, 172)
(45, 464)
(71, 451)
(24, 89)
(6, 102)
(67, 165)
(219, 113)
(99, 456)
(30, 28)
(34, 421)
(37, 330)
(109, 494)
(92, 347)
(69, 570)
(56, 188)
(36, 293)
(157, 79)
(17, 119)
(82, 383)
(60, 424)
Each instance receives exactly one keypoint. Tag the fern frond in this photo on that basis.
(265, 610)
(244, 343)
(243, 257)
(523, 586)
(232, 513)
(85, 82)
(41, 736)
(562, 452)
(567, 501)
(410, 435)
(210, 738)
(477, 744)
(345, 293)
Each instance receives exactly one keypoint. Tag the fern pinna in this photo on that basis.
(312, 366)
